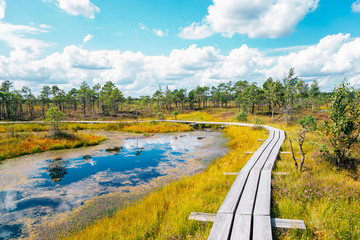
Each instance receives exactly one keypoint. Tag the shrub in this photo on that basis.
(160, 116)
(175, 113)
(343, 128)
(258, 122)
(241, 117)
(53, 117)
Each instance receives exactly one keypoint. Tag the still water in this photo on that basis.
(47, 187)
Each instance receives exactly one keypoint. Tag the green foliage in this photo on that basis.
(314, 92)
(343, 128)
(241, 116)
(10, 129)
(54, 117)
(289, 92)
(308, 123)
(175, 113)
(108, 100)
(272, 93)
(259, 121)
(160, 116)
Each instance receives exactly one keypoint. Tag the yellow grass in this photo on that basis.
(163, 214)
(142, 127)
(20, 145)
(28, 127)
(156, 127)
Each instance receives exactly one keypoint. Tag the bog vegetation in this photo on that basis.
(321, 184)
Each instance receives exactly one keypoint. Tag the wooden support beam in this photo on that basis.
(285, 152)
(275, 222)
(287, 223)
(203, 217)
(249, 152)
(261, 140)
(231, 173)
(281, 173)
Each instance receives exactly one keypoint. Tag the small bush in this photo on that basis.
(65, 135)
(36, 150)
(174, 114)
(259, 121)
(160, 116)
(241, 117)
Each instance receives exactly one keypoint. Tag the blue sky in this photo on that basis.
(142, 44)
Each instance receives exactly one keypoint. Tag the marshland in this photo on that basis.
(132, 175)
(211, 119)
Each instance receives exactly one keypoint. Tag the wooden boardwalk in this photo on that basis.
(245, 212)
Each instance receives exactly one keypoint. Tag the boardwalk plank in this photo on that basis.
(262, 228)
(242, 228)
(287, 223)
(232, 198)
(203, 217)
(221, 227)
(267, 152)
(272, 158)
(263, 198)
(247, 200)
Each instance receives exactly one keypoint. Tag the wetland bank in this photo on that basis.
(51, 193)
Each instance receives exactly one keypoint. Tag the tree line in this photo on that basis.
(274, 96)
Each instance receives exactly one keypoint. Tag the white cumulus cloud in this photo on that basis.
(356, 6)
(77, 7)
(2, 9)
(143, 27)
(330, 60)
(196, 31)
(17, 38)
(160, 33)
(87, 38)
(45, 26)
(255, 18)
(333, 58)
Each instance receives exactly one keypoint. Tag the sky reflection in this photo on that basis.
(58, 185)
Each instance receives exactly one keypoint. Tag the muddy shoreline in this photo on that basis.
(59, 224)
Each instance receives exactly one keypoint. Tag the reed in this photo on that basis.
(24, 144)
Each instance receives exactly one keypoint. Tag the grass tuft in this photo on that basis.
(36, 143)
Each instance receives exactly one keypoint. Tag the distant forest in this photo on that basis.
(107, 100)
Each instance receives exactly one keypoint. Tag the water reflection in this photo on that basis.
(57, 169)
(116, 150)
(59, 185)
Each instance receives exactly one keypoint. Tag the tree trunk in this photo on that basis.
(84, 108)
(302, 154)
(293, 155)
